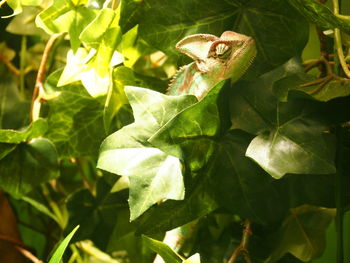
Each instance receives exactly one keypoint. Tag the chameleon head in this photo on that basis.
(231, 55)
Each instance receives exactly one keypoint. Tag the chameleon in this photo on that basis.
(215, 59)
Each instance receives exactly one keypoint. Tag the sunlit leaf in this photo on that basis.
(154, 175)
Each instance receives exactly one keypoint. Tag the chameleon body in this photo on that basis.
(215, 59)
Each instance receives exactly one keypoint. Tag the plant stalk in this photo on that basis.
(39, 83)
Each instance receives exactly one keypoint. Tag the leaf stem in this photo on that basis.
(55, 209)
(243, 246)
(338, 42)
(39, 83)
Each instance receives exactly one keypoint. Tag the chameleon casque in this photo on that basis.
(215, 59)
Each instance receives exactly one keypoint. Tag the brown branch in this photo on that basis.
(39, 83)
(22, 248)
(28, 254)
(243, 246)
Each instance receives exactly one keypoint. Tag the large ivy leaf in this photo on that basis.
(154, 175)
(290, 136)
(270, 23)
(319, 14)
(303, 233)
(75, 122)
(28, 165)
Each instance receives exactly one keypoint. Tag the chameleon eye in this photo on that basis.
(222, 50)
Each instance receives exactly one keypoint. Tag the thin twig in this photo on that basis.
(28, 254)
(39, 83)
(22, 248)
(243, 246)
(338, 42)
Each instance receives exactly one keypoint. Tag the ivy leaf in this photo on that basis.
(269, 23)
(66, 16)
(168, 255)
(154, 175)
(28, 165)
(75, 122)
(289, 134)
(303, 233)
(319, 14)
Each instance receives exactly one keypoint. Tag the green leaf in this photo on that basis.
(154, 175)
(270, 23)
(95, 69)
(57, 255)
(35, 129)
(75, 122)
(168, 255)
(198, 121)
(28, 165)
(290, 136)
(94, 32)
(66, 16)
(303, 233)
(319, 14)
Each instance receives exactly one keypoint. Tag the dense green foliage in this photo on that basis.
(88, 136)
